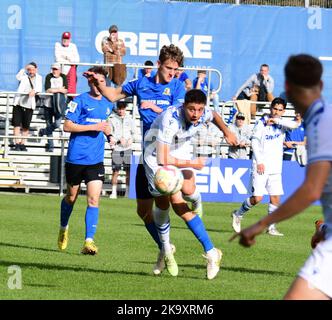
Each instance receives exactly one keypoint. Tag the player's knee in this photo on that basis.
(188, 188)
(70, 199)
(255, 200)
(93, 201)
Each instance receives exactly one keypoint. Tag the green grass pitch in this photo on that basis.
(123, 267)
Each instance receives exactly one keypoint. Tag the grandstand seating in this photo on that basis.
(33, 169)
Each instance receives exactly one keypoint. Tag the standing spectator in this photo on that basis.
(55, 83)
(114, 49)
(259, 87)
(66, 52)
(31, 83)
(200, 82)
(86, 121)
(294, 138)
(184, 78)
(267, 145)
(147, 71)
(243, 134)
(303, 87)
(124, 132)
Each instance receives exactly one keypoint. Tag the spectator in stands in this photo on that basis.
(259, 87)
(151, 102)
(303, 86)
(114, 49)
(294, 139)
(55, 105)
(243, 133)
(66, 52)
(147, 71)
(184, 78)
(201, 82)
(124, 132)
(207, 140)
(86, 120)
(267, 145)
(31, 83)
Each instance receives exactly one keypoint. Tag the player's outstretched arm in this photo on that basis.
(229, 135)
(310, 191)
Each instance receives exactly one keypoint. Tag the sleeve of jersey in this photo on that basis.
(74, 110)
(319, 145)
(130, 87)
(167, 130)
(256, 142)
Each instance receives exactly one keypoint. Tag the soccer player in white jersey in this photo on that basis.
(267, 146)
(168, 143)
(303, 89)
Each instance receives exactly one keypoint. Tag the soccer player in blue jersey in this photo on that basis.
(154, 94)
(85, 119)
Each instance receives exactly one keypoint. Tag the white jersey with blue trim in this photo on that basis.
(172, 128)
(267, 143)
(317, 121)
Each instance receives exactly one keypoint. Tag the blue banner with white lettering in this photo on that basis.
(228, 180)
(235, 39)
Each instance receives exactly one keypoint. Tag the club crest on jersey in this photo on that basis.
(108, 111)
(167, 92)
(72, 106)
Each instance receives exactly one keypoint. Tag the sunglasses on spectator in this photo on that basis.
(239, 118)
(277, 109)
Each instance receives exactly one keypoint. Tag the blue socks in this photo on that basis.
(66, 210)
(198, 229)
(91, 221)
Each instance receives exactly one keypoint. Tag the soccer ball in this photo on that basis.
(168, 180)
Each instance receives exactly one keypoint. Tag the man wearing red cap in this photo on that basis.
(66, 52)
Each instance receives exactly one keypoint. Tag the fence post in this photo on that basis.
(7, 127)
(306, 3)
(237, 2)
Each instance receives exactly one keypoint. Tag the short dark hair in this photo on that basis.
(121, 104)
(265, 65)
(171, 52)
(148, 63)
(303, 70)
(195, 96)
(33, 64)
(99, 70)
(278, 100)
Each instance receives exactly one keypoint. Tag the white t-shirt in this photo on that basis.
(66, 54)
(171, 128)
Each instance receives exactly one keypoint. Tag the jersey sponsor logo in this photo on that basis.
(72, 106)
(91, 109)
(93, 120)
(167, 92)
(272, 136)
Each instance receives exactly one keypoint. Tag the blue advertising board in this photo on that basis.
(228, 180)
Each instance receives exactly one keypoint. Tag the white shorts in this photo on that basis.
(262, 184)
(317, 270)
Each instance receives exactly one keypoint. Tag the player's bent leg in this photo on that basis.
(196, 226)
(190, 192)
(301, 290)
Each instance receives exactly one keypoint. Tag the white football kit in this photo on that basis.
(267, 145)
(318, 268)
(170, 128)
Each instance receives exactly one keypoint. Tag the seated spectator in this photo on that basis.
(124, 132)
(243, 134)
(66, 52)
(146, 72)
(259, 87)
(293, 139)
(55, 105)
(114, 49)
(183, 77)
(200, 82)
(31, 83)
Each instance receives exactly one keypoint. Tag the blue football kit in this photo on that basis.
(87, 148)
